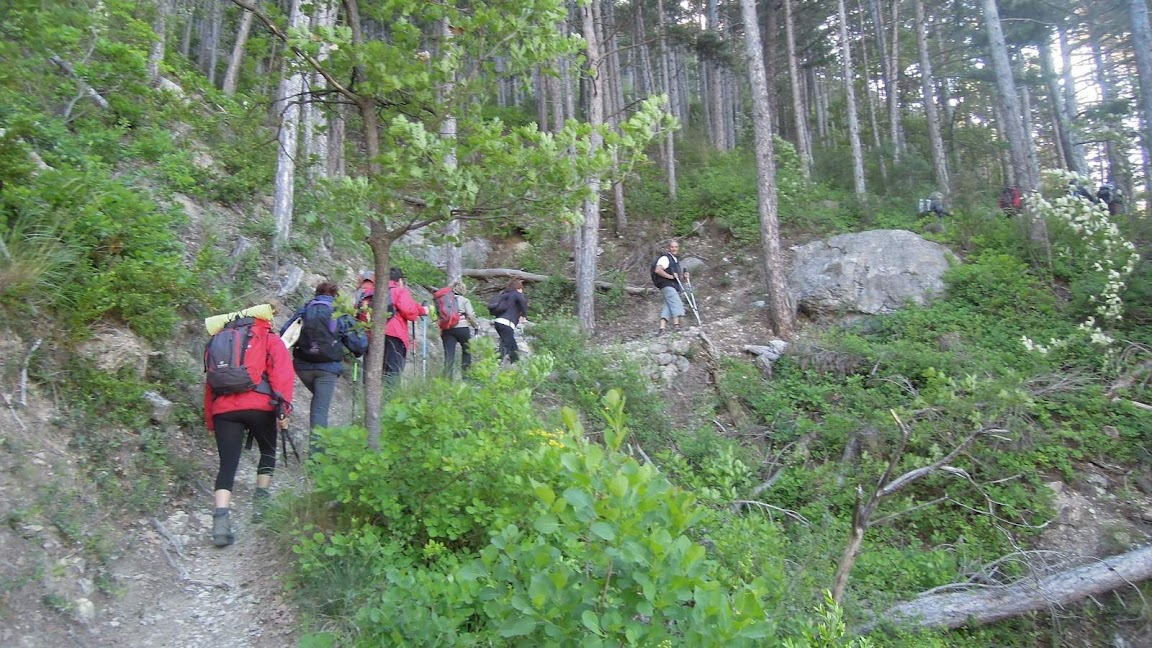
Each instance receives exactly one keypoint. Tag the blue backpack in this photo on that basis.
(319, 339)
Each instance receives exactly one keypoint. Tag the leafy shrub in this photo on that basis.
(588, 546)
(584, 372)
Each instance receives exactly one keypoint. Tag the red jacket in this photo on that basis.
(407, 310)
(280, 375)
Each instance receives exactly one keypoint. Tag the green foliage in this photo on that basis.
(583, 372)
(550, 539)
(127, 262)
(448, 455)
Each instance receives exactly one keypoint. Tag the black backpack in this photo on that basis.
(498, 304)
(236, 360)
(319, 340)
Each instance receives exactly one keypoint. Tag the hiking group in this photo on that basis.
(250, 372)
(1011, 200)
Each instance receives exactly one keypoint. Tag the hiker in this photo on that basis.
(1077, 190)
(259, 411)
(396, 332)
(460, 334)
(936, 205)
(318, 355)
(509, 309)
(665, 273)
(1011, 201)
(1110, 196)
(362, 303)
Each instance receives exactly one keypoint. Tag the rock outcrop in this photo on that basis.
(867, 273)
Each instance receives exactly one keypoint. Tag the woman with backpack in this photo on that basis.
(509, 310)
(258, 406)
(458, 332)
(318, 355)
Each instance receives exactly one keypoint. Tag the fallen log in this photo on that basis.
(87, 89)
(986, 604)
(497, 273)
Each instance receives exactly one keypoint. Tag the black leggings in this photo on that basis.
(230, 430)
(508, 348)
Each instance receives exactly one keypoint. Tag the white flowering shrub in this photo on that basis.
(1095, 243)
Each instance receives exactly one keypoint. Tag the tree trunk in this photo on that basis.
(455, 263)
(1061, 124)
(1142, 46)
(1026, 121)
(380, 240)
(932, 116)
(287, 137)
(336, 131)
(803, 142)
(232, 75)
(189, 15)
(210, 49)
(160, 28)
(588, 239)
(315, 120)
(666, 69)
(988, 604)
(850, 107)
(892, 88)
(781, 315)
(1115, 151)
(1011, 118)
(870, 97)
(614, 103)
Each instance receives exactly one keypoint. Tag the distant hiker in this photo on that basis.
(362, 303)
(1011, 202)
(248, 389)
(1110, 196)
(449, 300)
(509, 309)
(936, 205)
(396, 332)
(665, 273)
(318, 354)
(1077, 190)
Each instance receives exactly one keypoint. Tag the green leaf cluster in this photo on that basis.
(475, 525)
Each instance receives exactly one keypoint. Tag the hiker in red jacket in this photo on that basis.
(230, 416)
(396, 332)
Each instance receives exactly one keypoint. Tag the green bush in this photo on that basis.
(582, 373)
(581, 543)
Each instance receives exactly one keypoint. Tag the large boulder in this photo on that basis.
(867, 273)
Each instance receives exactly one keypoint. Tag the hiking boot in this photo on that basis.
(260, 502)
(222, 529)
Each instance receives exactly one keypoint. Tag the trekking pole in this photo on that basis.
(690, 298)
(424, 347)
(355, 389)
(412, 325)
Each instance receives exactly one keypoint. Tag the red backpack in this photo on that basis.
(447, 308)
(236, 359)
(1010, 200)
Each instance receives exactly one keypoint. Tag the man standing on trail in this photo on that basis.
(665, 271)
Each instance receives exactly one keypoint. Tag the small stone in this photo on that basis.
(85, 610)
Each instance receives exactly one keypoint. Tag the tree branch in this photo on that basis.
(496, 273)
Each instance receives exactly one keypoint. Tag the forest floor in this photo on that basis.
(169, 587)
